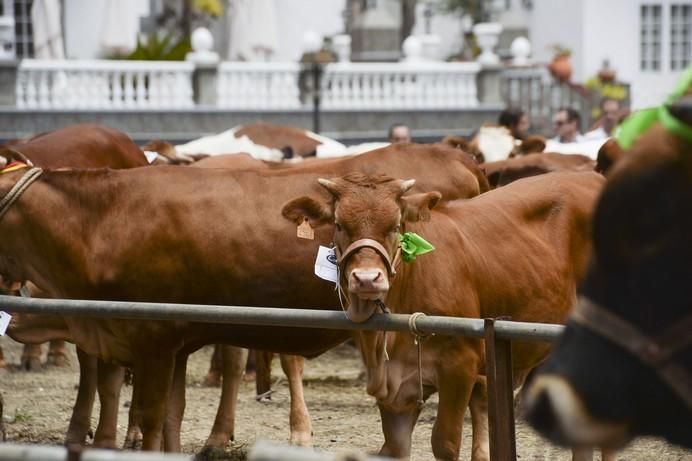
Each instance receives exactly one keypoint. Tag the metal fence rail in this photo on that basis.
(498, 335)
(274, 316)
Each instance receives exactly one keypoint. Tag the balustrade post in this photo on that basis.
(204, 85)
(9, 82)
(489, 85)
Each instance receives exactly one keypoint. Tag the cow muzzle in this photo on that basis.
(553, 407)
(368, 283)
(365, 268)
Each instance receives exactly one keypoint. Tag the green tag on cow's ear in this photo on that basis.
(413, 245)
(634, 126)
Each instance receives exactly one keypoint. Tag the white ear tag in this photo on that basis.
(325, 264)
(4, 322)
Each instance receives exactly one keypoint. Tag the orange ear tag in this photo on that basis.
(305, 230)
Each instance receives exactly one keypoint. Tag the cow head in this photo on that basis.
(368, 213)
(624, 365)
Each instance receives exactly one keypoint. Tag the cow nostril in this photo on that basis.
(378, 277)
(355, 276)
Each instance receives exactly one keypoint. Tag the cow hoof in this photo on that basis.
(302, 439)
(132, 444)
(58, 359)
(31, 364)
(213, 379)
(214, 453)
(250, 376)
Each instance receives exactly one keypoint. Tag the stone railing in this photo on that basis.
(258, 85)
(104, 84)
(421, 85)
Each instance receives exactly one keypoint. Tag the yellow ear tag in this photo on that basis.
(305, 230)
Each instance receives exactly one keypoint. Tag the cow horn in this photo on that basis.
(330, 185)
(407, 184)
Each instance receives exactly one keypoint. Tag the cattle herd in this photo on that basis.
(603, 245)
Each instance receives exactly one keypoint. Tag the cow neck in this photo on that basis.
(18, 189)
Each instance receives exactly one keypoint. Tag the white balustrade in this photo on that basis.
(258, 85)
(104, 84)
(415, 85)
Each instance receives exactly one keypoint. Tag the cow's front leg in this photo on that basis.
(301, 427)
(397, 427)
(176, 406)
(457, 378)
(233, 367)
(110, 381)
(153, 378)
(80, 421)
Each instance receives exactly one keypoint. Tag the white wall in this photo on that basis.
(557, 21)
(83, 28)
(84, 21)
(296, 16)
(447, 26)
(619, 42)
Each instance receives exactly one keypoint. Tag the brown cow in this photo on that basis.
(517, 251)
(503, 172)
(79, 146)
(84, 145)
(280, 137)
(169, 249)
(502, 139)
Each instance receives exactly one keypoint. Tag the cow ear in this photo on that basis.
(297, 210)
(532, 145)
(9, 155)
(417, 207)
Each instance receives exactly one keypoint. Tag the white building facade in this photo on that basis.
(647, 42)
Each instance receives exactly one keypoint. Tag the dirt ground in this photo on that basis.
(37, 410)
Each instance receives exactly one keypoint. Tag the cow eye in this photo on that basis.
(396, 229)
(338, 227)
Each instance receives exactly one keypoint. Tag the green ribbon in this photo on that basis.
(639, 122)
(413, 245)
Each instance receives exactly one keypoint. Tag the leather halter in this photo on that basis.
(18, 189)
(656, 353)
(368, 243)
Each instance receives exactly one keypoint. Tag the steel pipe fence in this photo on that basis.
(498, 335)
(275, 316)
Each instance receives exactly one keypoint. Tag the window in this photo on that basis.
(23, 33)
(680, 36)
(650, 37)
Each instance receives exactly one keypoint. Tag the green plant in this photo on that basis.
(21, 416)
(161, 47)
(559, 50)
(474, 8)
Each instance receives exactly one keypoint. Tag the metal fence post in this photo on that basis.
(498, 369)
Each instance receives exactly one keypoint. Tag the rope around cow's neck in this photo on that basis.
(24, 182)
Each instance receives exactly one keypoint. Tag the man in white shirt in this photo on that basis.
(566, 122)
(610, 115)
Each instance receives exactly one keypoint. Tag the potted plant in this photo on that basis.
(561, 67)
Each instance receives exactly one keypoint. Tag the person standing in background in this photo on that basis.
(399, 133)
(566, 122)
